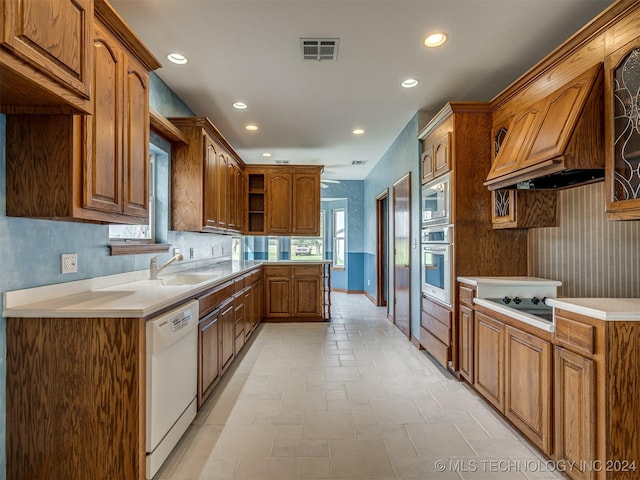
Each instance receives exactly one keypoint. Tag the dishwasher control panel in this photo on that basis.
(181, 319)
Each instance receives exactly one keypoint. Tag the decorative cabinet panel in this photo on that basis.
(436, 152)
(94, 167)
(523, 208)
(622, 135)
(466, 342)
(528, 395)
(282, 200)
(205, 173)
(307, 291)
(489, 359)
(45, 56)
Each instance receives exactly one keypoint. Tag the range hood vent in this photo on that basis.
(319, 48)
(557, 142)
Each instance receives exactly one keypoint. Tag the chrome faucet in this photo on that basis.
(154, 270)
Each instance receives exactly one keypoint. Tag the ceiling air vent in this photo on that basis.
(282, 162)
(358, 162)
(319, 48)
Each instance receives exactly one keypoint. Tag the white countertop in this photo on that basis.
(610, 309)
(521, 316)
(127, 295)
(509, 281)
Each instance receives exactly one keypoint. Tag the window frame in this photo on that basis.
(336, 238)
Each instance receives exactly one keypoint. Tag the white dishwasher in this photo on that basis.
(172, 370)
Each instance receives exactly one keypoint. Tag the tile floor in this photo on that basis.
(350, 399)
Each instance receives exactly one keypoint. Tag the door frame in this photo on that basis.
(382, 244)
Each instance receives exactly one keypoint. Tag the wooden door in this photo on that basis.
(210, 184)
(382, 249)
(574, 413)
(278, 296)
(402, 253)
(442, 155)
(307, 298)
(466, 342)
(136, 140)
(55, 36)
(306, 204)
(227, 334)
(527, 400)
(279, 195)
(103, 166)
(208, 355)
(489, 359)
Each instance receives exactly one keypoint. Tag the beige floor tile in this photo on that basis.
(359, 459)
(379, 431)
(328, 425)
(268, 469)
(438, 441)
(315, 467)
(210, 468)
(395, 411)
(245, 441)
(288, 432)
(305, 401)
(243, 411)
(342, 374)
(279, 419)
(399, 448)
(300, 448)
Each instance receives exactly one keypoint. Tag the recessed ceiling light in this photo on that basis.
(410, 82)
(358, 131)
(266, 154)
(240, 105)
(177, 58)
(251, 127)
(435, 39)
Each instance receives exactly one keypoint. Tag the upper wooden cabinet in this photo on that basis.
(558, 133)
(622, 138)
(91, 167)
(523, 208)
(207, 180)
(283, 200)
(45, 56)
(436, 151)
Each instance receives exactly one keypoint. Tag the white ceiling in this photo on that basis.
(242, 50)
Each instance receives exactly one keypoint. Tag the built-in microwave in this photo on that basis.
(436, 201)
(436, 271)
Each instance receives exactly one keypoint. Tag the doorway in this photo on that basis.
(382, 250)
(402, 254)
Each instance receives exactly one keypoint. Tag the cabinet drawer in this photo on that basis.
(436, 311)
(277, 271)
(436, 328)
(435, 347)
(311, 270)
(238, 284)
(466, 294)
(577, 335)
(211, 300)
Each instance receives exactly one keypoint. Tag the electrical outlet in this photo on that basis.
(191, 252)
(69, 262)
(368, 283)
(213, 250)
(176, 251)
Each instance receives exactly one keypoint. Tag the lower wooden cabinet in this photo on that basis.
(208, 355)
(239, 320)
(489, 359)
(575, 410)
(227, 333)
(465, 355)
(528, 386)
(293, 291)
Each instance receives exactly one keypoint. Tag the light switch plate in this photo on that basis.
(69, 262)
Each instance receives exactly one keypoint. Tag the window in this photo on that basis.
(273, 244)
(339, 237)
(308, 248)
(236, 248)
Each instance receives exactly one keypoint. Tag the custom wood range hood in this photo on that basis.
(555, 142)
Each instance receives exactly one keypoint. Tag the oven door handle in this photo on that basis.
(435, 249)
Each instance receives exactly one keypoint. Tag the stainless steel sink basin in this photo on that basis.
(186, 279)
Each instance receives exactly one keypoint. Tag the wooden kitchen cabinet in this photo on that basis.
(94, 167)
(205, 173)
(293, 291)
(46, 61)
(436, 152)
(208, 355)
(622, 140)
(466, 293)
(227, 334)
(239, 320)
(528, 386)
(523, 208)
(435, 330)
(283, 200)
(489, 359)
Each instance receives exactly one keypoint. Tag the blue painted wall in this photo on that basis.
(401, 157)
(30, 249)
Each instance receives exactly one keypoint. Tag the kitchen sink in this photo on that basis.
(186, 279)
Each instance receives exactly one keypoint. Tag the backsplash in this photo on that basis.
(591, 256)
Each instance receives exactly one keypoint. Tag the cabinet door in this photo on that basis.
(54, 36)
(622, 137)
(210, 194)
(528, 386)
(136, 139)
(306, 204)
(102, 170)
(442, 155)
(239, 320)
(208, 355)
(489, 359)
(466, 342)
(503, 211)
(228, 337)
(249, 315)
(427, 163)
(279, 195)
(259, 301)
(278, 297)
(574, 413)
(307, 301)
(223, 190)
